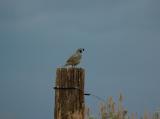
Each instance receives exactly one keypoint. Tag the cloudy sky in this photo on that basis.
(121, 38)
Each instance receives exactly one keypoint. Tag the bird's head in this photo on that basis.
(80, 50)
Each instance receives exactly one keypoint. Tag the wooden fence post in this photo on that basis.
(69, 93)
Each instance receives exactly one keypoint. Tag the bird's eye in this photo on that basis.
(80, 51)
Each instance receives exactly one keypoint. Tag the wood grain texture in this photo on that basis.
(69, 95)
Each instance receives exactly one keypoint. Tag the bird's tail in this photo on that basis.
(65, 65)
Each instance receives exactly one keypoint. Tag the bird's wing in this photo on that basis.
(73, 58)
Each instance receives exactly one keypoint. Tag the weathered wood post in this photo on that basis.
(69, 93)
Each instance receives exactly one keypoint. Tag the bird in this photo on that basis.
(75, 58)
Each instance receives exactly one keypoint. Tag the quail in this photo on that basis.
(75, 58)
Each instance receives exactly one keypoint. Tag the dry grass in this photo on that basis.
(111, 110)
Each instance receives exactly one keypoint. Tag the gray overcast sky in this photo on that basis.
(121, 38)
